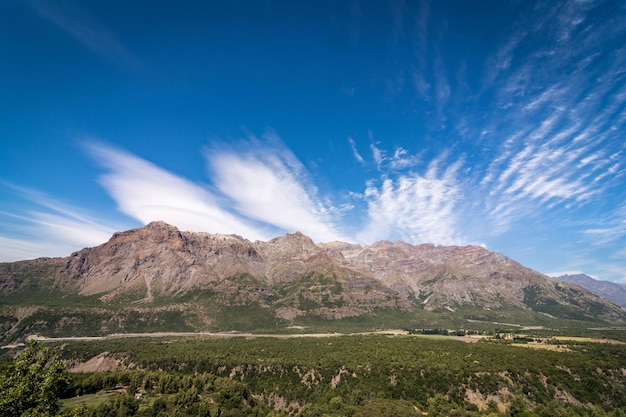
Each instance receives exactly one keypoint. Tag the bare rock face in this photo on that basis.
(155, 253)
(411, 268)
(291, 274)
(449, 277)
(158, 260)
(290, 256)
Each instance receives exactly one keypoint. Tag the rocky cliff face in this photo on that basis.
(159, 260)
(170, 261)
(449, 277)
(290, 277)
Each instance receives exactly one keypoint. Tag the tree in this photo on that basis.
(518, 407)
(31, 384)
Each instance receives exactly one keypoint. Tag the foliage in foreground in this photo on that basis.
(32, 382)
(343, 376)
(350, 376)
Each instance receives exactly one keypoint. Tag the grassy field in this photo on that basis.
(90, 400)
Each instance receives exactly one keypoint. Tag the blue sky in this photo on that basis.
(451, 122)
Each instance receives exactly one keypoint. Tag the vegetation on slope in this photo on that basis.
(244, 303)
(347, 376)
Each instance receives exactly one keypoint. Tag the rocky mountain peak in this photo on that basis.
(294, 238)
(152, 233)
(292, 246)
(338, 279)
(341, 251)
(339, 246)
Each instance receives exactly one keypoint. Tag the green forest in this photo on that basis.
(360, 375)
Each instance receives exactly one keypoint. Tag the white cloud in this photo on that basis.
(608, 231)
(553, 163)
(20, 249)
(566, 156)
(402, 159)
(377, 154)
(77, 232)
(269, 184)
(57, 236)
(355, 152)
(146, 192)
(545, 97)
(415, 208)
(501, 61)
(268, 192)
(50, 228)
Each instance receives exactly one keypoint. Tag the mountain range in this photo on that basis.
(615, 293)
(158, 278)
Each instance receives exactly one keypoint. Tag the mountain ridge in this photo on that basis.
(159, 275)
(611, 291)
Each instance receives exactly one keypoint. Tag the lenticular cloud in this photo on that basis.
(269, 185)
(266, 194)
(146, 192)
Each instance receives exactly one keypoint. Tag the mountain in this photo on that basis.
(453, 277)
(611, 291)
(158, 278)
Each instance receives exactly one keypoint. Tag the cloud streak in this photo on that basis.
(555, 146)
(49, 227)
(85, 30)
(355, 152)
(258, 194)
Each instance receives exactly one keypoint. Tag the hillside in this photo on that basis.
(158, 278)
(611, 291)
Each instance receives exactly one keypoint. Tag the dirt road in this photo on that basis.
(208, 334)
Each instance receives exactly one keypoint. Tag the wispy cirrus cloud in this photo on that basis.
(546, 166)
(558, 119)
(402, 159)
(609, 228)
(416, 207)
(355, 152)
(86, 30)
(17, 249)
(548, 144)
(378, 155)
(257, 194)
(49, 227)
(398, 160)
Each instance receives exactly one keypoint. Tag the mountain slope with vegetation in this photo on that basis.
(611, 291)
(158, 278)
(358, 375)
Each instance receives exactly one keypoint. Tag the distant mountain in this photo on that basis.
(612, 291)
(158, 278)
